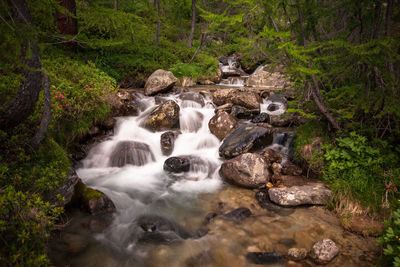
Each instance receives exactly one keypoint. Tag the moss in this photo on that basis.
(85, 193)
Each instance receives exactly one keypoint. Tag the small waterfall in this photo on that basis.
(282, 142)
(274, 105)
(232, 72)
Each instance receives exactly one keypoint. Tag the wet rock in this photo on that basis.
(187, 82)
(221, 124)
(177, 164)
(66, 190)
(245, 138)
(288, 242)
(310, 194)
(262, 117)
(249, 99)
(243, 113)
(164, 117)
(167, 141)
(287, 120)
(159, 82)
(265, 202)
(222, 96)
(193, 97)
(157, 229)
(324, 251)
(108, 124)
(265, 258)
(226, 107)
(297, 254)
(278, 98)
(131, 152)
(248, 170)
(291, 169)
(272, 156)
(209, 217)
(91, 200)
(238, 215)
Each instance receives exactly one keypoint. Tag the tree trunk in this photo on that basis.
(193, 24)
(377, 20)
(303, 36)
(158, 23)
(202, 39)
(46, 117)
(28, 93)
(66, 24)
(116, 4)
(389, 13)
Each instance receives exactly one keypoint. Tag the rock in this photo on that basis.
(221, 124)
(248, 170)
(242, 113)
(265, 258)
(226, 107)
(310, 194)
(210, 217)
(108, 124)
(245, 138)
(156, 229)
(262, 117)
(167, 141)
(177, 164)
(267, 79)
(238, 215)
(249, 99)
(297, 254)
(189, 97)
(130, 108)
(324, 251)
(205, 82)
(265, 203)
(164, 117)
(222, 96)
(287, 120)
(131, 152)
(187, 82)
(66, 190)
(91, 200)
(272, 156)
(291, 169)
(159, 82)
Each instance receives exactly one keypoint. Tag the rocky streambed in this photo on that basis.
(201, 177)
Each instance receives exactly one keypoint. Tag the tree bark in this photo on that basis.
(66, 24)
(303, 36)
(46, 117)
(28, 93)
(377, 20)
(193, 24)
(202, 39)
(116, 4)
(158, 23)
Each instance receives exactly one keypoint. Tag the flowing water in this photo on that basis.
(143, 188)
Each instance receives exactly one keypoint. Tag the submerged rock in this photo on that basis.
(91, 200)
(167, 142)
(221, 124)
(310, 194)
(248, 170)
(131, 152)
(238, 215)
(177, 164)
(297, 254)
(243, 139)
(164, 117)
(160, 81)
(188, 97)
(265, 258)
(191, 122)
(324, 251)
(156, 229)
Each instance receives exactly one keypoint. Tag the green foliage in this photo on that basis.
(365, 172)
(390, 240)
(25, 224)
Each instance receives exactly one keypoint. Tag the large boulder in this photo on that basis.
(324, 251)
(287, 120)
(91, 200)
(249, 170)
(164, 117)
(243, 113)
(267, 79)
(245, 138)
(221, 124)
(309, 194)
(249, 100)
(160, 81)
(131, 152)
(167, 142)
(222, 96)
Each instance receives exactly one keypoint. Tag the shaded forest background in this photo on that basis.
(62, 61)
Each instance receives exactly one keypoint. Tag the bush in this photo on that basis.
(390, 240)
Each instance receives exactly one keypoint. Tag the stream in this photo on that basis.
(192, 206)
